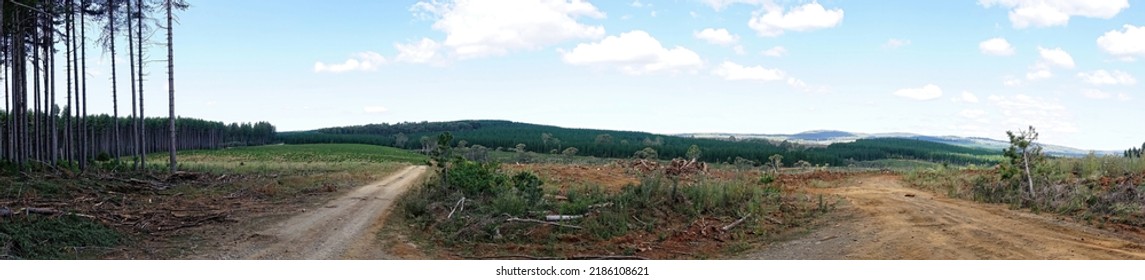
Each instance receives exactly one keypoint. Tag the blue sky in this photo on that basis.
(1073, 69)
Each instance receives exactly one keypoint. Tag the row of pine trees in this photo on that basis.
(44, 124)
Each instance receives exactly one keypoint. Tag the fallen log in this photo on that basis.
(562, 217)
(50, 211)
(535, 221)
(736, 223)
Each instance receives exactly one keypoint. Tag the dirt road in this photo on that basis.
(344, 228)
(882, 219)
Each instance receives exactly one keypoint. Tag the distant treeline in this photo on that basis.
(506, 135)
(97, 136)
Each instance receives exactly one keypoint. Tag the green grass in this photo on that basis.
(285, 171)
(898, 164)
(66, 237)
(328, 153)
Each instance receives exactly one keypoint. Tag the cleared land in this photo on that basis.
(883, 219)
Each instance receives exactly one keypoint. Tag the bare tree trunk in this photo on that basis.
(89, 138)
(69, 53)
(50, 79)
(171, 88)
(134, 143)
(114, 99)
(1029, 176)
(37, 119)
(142, 117)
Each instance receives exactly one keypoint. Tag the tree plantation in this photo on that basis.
(624, 144)
(45, 118)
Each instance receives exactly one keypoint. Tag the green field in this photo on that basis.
(278, 158)
(295, 168)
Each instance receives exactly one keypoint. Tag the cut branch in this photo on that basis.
(48, 211)
(562, 217)
(460, 202)
(736, 223)
(515, 219)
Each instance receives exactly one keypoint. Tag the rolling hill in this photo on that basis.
(827, 137)
(507, 135)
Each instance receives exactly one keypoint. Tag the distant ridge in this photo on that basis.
(827, 137)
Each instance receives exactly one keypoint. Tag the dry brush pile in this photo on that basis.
(477, 210)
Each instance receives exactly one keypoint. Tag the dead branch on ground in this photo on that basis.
(736, 223)
(515, 219)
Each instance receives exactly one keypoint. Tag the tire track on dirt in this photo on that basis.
(885, 220)
(342, 228)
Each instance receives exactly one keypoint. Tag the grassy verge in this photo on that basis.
(479, 210)
(1094, 189)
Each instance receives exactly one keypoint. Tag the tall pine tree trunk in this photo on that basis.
(134, 135)
(142, 117)
(116, 144)
(171, 89)
(88, 148)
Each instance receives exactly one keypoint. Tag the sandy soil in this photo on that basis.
(882, 219)
(344, 228)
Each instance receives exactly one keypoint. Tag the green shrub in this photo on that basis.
(510, 202)
(528, 185)
(766, 179)
(475, 178)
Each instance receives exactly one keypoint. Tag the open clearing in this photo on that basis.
(341, 229)
(885, 220)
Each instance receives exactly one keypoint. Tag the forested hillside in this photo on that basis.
(506, 135)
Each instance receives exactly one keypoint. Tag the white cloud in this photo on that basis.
(1010, 81)
(739, 50)
(363, 61)
(1056, 57)
(1102, 77)
(1095, 94)
(972, 114)
(1098, 94)
(777, 51)
(721, 4)
(967, 97)
(996, 46)
(476, 28)
(423, 51)
(1050, 58)
(927, 92)
(716, 36)
(734, 72)
(1124, 45)
(1046, 115)
(895, 43)
(1045, 13)
(375, 109)
(633, 52)
(1039, 73)
(807, 17)
(637, 4)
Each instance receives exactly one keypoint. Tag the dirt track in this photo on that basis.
(343, 228)
(882, 219)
